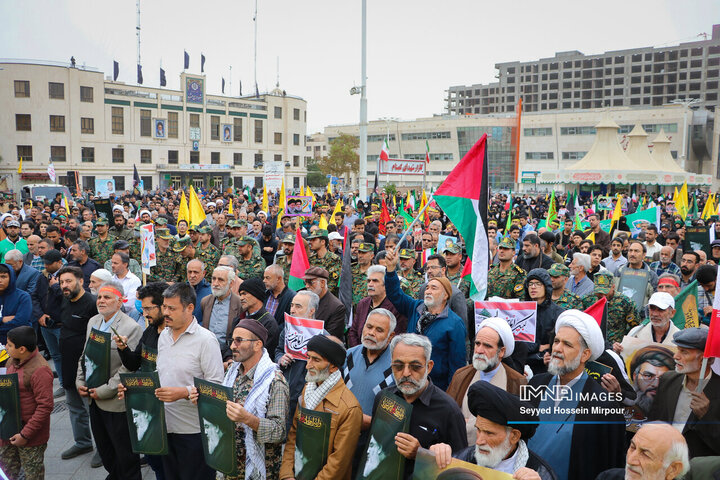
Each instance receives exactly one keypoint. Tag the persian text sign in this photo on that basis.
(297, 333)
(521, 316)
(399, 166)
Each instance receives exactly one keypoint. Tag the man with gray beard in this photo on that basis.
(493, 342)
(220, 309)
(435, 416)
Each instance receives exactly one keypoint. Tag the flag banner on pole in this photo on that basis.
(183, 212)
(298, 331)
(299, 263)
(686, 307)
(51, 171)
(521, 316)
(345, 283)
(385, 152)
(634, 220)
(712, 344)
(147, 252)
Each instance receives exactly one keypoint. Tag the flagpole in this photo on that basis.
(701, 380)
(422, 210)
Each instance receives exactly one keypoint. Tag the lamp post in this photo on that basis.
(686, 102)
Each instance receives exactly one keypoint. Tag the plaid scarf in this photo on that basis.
(315, 394)
(426, 318)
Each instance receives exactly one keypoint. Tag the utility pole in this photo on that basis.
(137, 29)
(255, 58)
(363, 105)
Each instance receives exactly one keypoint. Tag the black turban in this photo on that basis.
(330, 350)
(498, 406)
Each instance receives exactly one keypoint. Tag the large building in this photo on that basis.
(102, 129)
(571, 80)
(548, 141)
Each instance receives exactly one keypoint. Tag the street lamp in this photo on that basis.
(686, 102)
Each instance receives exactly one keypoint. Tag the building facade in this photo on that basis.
(571, 80)
(102, 129)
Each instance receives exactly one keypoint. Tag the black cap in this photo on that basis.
(52, 256)
(255, 287)
(121, 245)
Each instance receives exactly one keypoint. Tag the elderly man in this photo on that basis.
(593, 412)
(621, 316)
(28, 280)
(196, 278)
(436, 267)
(498, 443)
(33, 257)
(433, 318)
(579, 283)
(657, 451)
(376, 298)
(185, 351)
(252, 302)
(661, 328)
(325, 391)
(259, 406)
(493, 342)
(683, 398)
(561, 296)
(279, 296)
(107, 411)
(129, 281)
(330, 310)
(665, 264)
(222, 308)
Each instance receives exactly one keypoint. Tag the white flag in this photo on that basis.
(51, 171)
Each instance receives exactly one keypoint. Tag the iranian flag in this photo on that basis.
(385, 152)
(299, 263)
(427, 152)
(463, 196)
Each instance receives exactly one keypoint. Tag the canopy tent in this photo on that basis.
(661, 154)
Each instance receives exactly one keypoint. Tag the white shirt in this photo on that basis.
(130, 285)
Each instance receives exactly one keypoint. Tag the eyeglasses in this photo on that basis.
(535, 284)
(239, 340)
(414, 366)
(433, 267)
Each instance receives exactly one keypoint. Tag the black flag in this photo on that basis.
(187, 61)
(163, 80)
(202, 63)
(223, 85)
(116, 70)
(136, 180)
(257, 92)
(140, 79)
(240, 94)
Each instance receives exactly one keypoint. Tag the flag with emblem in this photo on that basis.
(385, 152)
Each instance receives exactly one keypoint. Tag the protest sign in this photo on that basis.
(10, 421)
(145, 413)
(426, 469)
(96, 363)
(147, 247)
(218, 431)
(311, 443)
(633, 284)
(521, 316)
(297, 333)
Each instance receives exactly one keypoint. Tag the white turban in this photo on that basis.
(142, 212)
(211, 204)
(118, 207)
(503, 329)
(102, 274)
(586, 326)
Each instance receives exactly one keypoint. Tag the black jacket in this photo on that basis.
(527, 264)
(547, 311)
(533, 463)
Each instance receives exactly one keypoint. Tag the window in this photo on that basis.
(86, 94)
(214, 127)
(87, 154)
(57, 153)
(577, 130)
(278, 157)
(24, 152)
(57, 123)
(296, 182)
(237, 129)
(296, 114)
(381, 138)
(173, 156)
(237, 158)
(119, 182)
(147, 182)
(215, 158)
(278, 138)
(278, 112)
(258, 160)
(118, 156)
(145, 123)
(145, 156)
(258, 131)
(539, 155)
(87, 125)
(296, 139)
(118, 123)
(22, 88)
(56, 90)
(194, 120)
(195, 157)
(296, 160)
(573, 155)
(23, 122)
(537, 132)
(173, 126)
(88, 182)
(416, 136)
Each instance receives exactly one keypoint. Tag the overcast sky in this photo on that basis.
(416, 48)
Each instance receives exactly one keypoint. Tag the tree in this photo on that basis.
(315, 178)
(390, 189)
(342, 158)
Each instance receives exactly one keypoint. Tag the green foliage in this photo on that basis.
(390, 189)
(342, 158)
(315, 178)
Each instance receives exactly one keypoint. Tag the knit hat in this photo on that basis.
(446, 285)
(255, 287)
(257, 328)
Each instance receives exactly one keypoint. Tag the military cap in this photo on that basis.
(365, 247)
(241, 223)
(244, 240)
(319, 233)
(452, 248)
(161, 221)
(101, 221)
(603, 282)
(163, 233)
(121, 245)
(506, 242)
(192, 228)
(406, 253)
(205, 229)
(181, 244)
(694, 338)
(288, 238)
(559, 270)
(715, 243)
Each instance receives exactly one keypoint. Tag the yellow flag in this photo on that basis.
(265, 203)
(281, 203)
(322, 224)
(617, 213)
(67, 205)
(329, 187)
(591, 237)
(338, 208)
(20, 166)
(184, 212)
(195, 209)
(682, 203)
(230, 206)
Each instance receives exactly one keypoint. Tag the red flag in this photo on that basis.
(598, 311)
(299, 263)
(384, 218)
(712, 345)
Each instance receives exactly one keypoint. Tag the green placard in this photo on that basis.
(697, 238)
(311, 443)
(145, 413)
(596, 370)
(10, 421)
(103, 208)
(633, 284)
(381, 459)
(148, 359)
(218, 431)
(96, 363)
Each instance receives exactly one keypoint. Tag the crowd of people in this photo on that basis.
(214, 305)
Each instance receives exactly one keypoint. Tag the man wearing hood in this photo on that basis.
(15, 305)
(538, 288)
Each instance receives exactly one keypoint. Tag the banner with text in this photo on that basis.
(400, 166)
(521, 316)
(297, 333)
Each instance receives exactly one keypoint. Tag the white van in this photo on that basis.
(43, 191)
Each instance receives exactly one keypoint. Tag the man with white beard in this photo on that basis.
(220, 309)
(493, 342)
(499, 444)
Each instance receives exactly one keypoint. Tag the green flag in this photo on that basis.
(407, 219)
(686, 307)
(10, 421)
(552, 209)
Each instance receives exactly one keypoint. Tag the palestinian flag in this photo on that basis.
(385, 152)
(463, 196)
(299, 263)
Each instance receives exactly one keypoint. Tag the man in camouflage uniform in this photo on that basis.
(184, 247)
(411, 280)
(136, 243)
(251, 265)
(568, 300)
(228, 242)
(453, 258)
(320, 256)
(621, 316)
(359, 272)
(206, 252)
(288, 246)
(167, 262)
(101, 247)
(506, 279)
